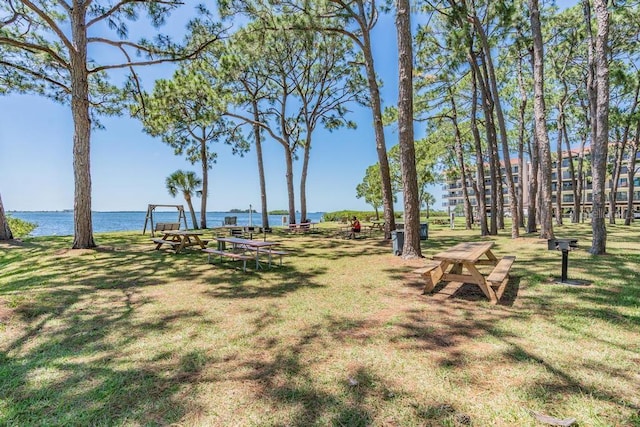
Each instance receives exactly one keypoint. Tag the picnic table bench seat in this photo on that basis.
(499, 276)
(225, 254)
(270, 253)
(166, 242)
(163, 226)
(369, 229)
(303, 227)
(426, 273)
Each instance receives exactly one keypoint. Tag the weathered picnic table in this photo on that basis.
(245, 250)
(180, 239)
(458, 265)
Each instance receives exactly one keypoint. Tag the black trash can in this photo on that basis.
(424, 231)
(397, 240)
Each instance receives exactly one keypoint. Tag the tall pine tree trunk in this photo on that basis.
(487, 107)
(633, 152)
(83, 226)
(411, 248)
(378, 127)
(205, 180)
(546, 222)
(532, 211)
(600, 146)
(623, 142)
(263, 186)
(480, 192)
(619, 148)
(521, 136)
(460, 156)
(581, 178)
(303, 177)
(289, 173)
(559, 166)
(493, 86)
(574, 179)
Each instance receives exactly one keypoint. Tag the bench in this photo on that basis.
(225, 254)
(432, 273)
(499, 276)
(230, 220)
(373, 227)
(303, 227)
(162, 226)
(161, 242)
(236, 232)
(270, 254)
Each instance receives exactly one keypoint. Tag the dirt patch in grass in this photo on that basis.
(11, 243)
(6, 313)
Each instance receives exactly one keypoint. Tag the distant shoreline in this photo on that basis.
(157, 210)
(61, 223)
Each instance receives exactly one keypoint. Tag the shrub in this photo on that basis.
(365, 215)
(20, 227)
(361, 215)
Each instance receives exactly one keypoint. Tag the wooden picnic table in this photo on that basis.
(303, 227)
(377, 224)
(180, 239)
(243, 246)
(458, 265)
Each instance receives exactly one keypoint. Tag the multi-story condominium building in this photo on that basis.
(454, 195)
(454, 199)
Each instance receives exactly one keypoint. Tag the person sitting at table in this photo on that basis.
(355, 227)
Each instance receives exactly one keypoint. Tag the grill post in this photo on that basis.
(565, 263)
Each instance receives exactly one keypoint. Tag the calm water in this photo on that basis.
(61, 223)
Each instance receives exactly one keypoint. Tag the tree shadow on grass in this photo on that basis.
(289, 383)
(331, 249)
(448, 330)
(70, 353)
(68, 367)
(562, 383)
(86, 394)
(98, 268)
(274, 284)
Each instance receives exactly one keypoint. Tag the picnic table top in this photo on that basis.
(183, 232)
(246, 242)
(464, 252)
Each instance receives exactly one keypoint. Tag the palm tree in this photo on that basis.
(428, 200)
(187, 183)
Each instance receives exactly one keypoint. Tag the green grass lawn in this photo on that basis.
(339, 335)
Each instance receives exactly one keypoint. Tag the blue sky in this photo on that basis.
(129, 167)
